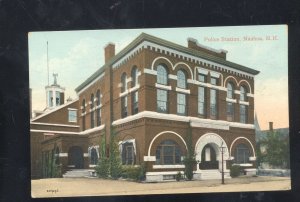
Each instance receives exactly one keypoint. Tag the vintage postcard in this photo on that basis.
(159, 111)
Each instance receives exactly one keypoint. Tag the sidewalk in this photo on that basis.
(60, 187)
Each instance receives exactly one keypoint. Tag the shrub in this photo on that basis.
(132, 172)
(178, 176)
(234, 170)
(102, 168)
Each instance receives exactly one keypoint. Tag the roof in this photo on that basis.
(146, 37)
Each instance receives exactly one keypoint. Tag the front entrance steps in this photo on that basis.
(210, 174)
(78, 173)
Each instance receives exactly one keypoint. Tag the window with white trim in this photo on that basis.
(181, 79)
(134, 76)
(135, 102)
(98, 97)
(243, 93)
(230, 111)
(162, 75)
(168, 153)
(213, 104)
(128, 157)
(243, 113)
(83, 114)
(242, 154)
(162, 101)
(72, 115)
(202, 78)
(230, 90)
(124, 82)
(201, 101)
(92, 111)
(213, 81)
(124, 106)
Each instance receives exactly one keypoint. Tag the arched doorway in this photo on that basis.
(209, 157)
(75, 157)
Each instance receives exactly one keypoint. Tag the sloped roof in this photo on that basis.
(146, 37)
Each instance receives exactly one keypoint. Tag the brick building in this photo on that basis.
(152, 94)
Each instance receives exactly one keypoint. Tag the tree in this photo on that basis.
(114, 157)
(276, 149)
(190, 160)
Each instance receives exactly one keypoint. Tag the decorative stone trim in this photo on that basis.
(98, 128)
(231, 100)
(214, 74)
(172, 76)
(202, 71)
(85, 154)
(252, 158)
(63, 155)
(163, 86)
(243, 102)
(124, 93)
(167, 166)
(53, 131)
(149, 158)
(185, 91)
(134, 88)
(250, 95)
(237, 92)
(150, 71)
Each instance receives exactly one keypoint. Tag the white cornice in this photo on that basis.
(92, 130)
(54, 124)
(54, 131)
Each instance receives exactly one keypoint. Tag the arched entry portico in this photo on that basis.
(75, 157)
(208, 152)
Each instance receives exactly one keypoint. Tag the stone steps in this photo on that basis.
(77, 173)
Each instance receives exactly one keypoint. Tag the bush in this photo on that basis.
(132, 172)
(234, 170)
(102, 168)
(189, 163)
(178, 176)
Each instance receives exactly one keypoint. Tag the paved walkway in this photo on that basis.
(60, 187)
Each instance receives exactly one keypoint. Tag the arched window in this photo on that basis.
(243, 93)
(242, 154)
(168, 153)
(181, 79)
(92, 111)
(94, 156)
(230, 90)
(124, 83)
(162, 75)
(83, 114)
(134, 76)
(127, 153)
(98, 96)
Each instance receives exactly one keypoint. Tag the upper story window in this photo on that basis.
(162, 75)
(124, 104)
(134, 76)
(57, 98)
(83, 117)
(201, 101)
(243, 93)
(213, 104)
(92, 112)
(181, 79)
(98, 96)
(181, 104)
(135, 102)
(83, 106)
(162, 101)
(202, 78)
(72, 115)
(243, 114)
(124, 82)
(213, 81)
(230, 90)
(92, 101)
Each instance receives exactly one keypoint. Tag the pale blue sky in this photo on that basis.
(75, 55)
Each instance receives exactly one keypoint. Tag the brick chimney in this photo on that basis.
(271, 126)
(109, 51)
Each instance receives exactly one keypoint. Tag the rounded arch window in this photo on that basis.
(98, 97)
(181, 79)
(83, 105)
(243, 93)
(162, 75)
(123, 81)
(134, 76)
(168, 153)
(230, 90)
(242, 154)
(92, 100)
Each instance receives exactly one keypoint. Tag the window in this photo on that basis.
(243, 93)
(134, 76)
(181, 104)
(124, 83)
(181, 79)
(162, 99)
(83, 114)
(50, 97)
(168, 153)
(94, 156)
(162, 75)
(201, 100)
(213, 81)
(57, 98)
(230, 90)
(242, 154)
(124, 103)
(243, 113)
(202, 78)
(135, 102)
(213, 103)
(98, 96)
(92, 111)
(230, 111)
(72, 115)
(127, 153)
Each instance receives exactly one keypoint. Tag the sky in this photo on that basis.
(75, 55)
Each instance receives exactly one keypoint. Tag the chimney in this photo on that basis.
(109, 51)
(271, 126)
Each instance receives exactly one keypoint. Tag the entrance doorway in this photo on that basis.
(208, 158)
(75, 157)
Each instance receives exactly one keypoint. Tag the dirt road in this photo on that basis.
(60, 187)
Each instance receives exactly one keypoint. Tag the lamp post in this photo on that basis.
(222, 150)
